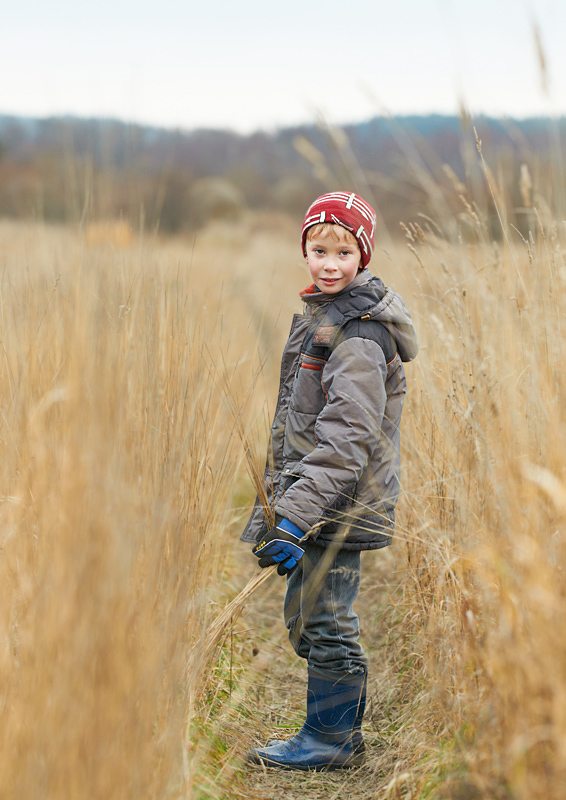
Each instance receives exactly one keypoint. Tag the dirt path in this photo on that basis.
(279, 687)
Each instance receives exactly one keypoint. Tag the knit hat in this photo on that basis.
(346, 209)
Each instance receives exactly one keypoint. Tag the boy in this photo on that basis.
(333, 474)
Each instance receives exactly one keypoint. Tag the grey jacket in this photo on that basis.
(334, 457)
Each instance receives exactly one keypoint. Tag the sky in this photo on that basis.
(248, 65)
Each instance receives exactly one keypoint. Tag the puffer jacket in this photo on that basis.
(334, 461)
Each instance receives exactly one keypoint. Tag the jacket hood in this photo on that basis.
(367, 296)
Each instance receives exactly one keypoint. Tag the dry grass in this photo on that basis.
(482, 517)
(118, 469)
(130, 377)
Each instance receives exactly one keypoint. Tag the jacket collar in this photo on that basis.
(363, 294)
(316, 299)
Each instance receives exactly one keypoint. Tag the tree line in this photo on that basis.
(72, 169)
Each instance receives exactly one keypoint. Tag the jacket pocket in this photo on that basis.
(300, 435)
(308, 396)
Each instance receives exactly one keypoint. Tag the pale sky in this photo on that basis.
(252, 65)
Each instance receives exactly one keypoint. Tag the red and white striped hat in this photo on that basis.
(350, 211)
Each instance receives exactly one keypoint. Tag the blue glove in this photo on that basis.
(281, 545)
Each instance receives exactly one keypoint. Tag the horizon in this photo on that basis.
(4, 115)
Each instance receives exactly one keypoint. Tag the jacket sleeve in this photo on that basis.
(347, 432)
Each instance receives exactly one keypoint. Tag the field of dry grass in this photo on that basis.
(119, 467)
(127, 371)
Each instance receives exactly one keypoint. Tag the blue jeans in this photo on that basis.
(323, 627)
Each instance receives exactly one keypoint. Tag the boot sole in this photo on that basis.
(267, 762)
(358, 758)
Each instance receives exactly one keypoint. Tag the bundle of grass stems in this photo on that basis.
(227, 617)
(224, 621)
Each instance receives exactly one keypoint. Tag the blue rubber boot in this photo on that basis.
(358, 744)
(325, 740)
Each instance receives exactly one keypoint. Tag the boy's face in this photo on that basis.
(333, 262)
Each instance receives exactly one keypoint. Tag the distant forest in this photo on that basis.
(82, 170)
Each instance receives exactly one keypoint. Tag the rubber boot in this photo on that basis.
(358, 744)
(325, 740)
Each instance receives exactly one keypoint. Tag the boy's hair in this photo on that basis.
(336, 232)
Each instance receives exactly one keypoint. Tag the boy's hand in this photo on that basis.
(282, 546)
